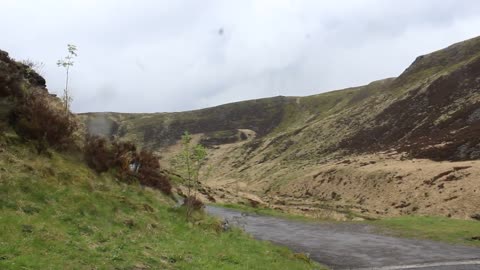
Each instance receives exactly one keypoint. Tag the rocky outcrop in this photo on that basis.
(13, 74)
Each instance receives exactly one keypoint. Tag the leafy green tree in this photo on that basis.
(67, 62)
(188, 164)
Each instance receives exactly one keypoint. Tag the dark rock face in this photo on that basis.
(13, 74)
(34, 78)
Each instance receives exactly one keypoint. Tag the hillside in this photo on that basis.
(55, 213)
(405, 145)
(58, 213)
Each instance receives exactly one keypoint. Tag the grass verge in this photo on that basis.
(350, 215)
(265, 211)
(443, 229)
(55, 213)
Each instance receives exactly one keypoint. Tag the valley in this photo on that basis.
(400, 146)
(383, 176)
(240, 135)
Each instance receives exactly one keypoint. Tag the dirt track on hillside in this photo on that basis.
(352, 246)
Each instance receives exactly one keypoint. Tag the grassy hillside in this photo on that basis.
(377, 116)
(55, 213)
(322, 149)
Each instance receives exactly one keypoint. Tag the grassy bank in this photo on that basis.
(433, 228)
(55, 213)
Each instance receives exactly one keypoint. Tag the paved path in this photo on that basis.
(353, 246)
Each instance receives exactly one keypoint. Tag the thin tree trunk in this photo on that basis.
(67, 98)
(189, 183)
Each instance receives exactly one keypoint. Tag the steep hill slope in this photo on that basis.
(349, 150)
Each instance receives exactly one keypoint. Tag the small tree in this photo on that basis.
(66, 63)
(188, 163)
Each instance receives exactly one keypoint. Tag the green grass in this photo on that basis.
(57, 214)
(434, 228)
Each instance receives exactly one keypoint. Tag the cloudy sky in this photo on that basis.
(155, 56)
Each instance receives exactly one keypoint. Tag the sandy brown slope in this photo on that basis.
(371, 185)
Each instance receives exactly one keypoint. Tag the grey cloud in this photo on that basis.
(149, 56)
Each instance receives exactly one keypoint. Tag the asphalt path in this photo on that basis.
(353, 246)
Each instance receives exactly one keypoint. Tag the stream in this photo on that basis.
(352, 245)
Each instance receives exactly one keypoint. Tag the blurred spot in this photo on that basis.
(100, 125)
(140, 65)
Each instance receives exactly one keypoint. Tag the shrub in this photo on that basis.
(101, 155)
(97, 155)
(149, 173)
(124, 153)
(32, 112)
(37, 118)
(193, 203)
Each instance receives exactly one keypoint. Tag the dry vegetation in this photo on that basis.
(36, 117)
(103, 155)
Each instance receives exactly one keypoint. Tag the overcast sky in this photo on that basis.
(156, 56)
